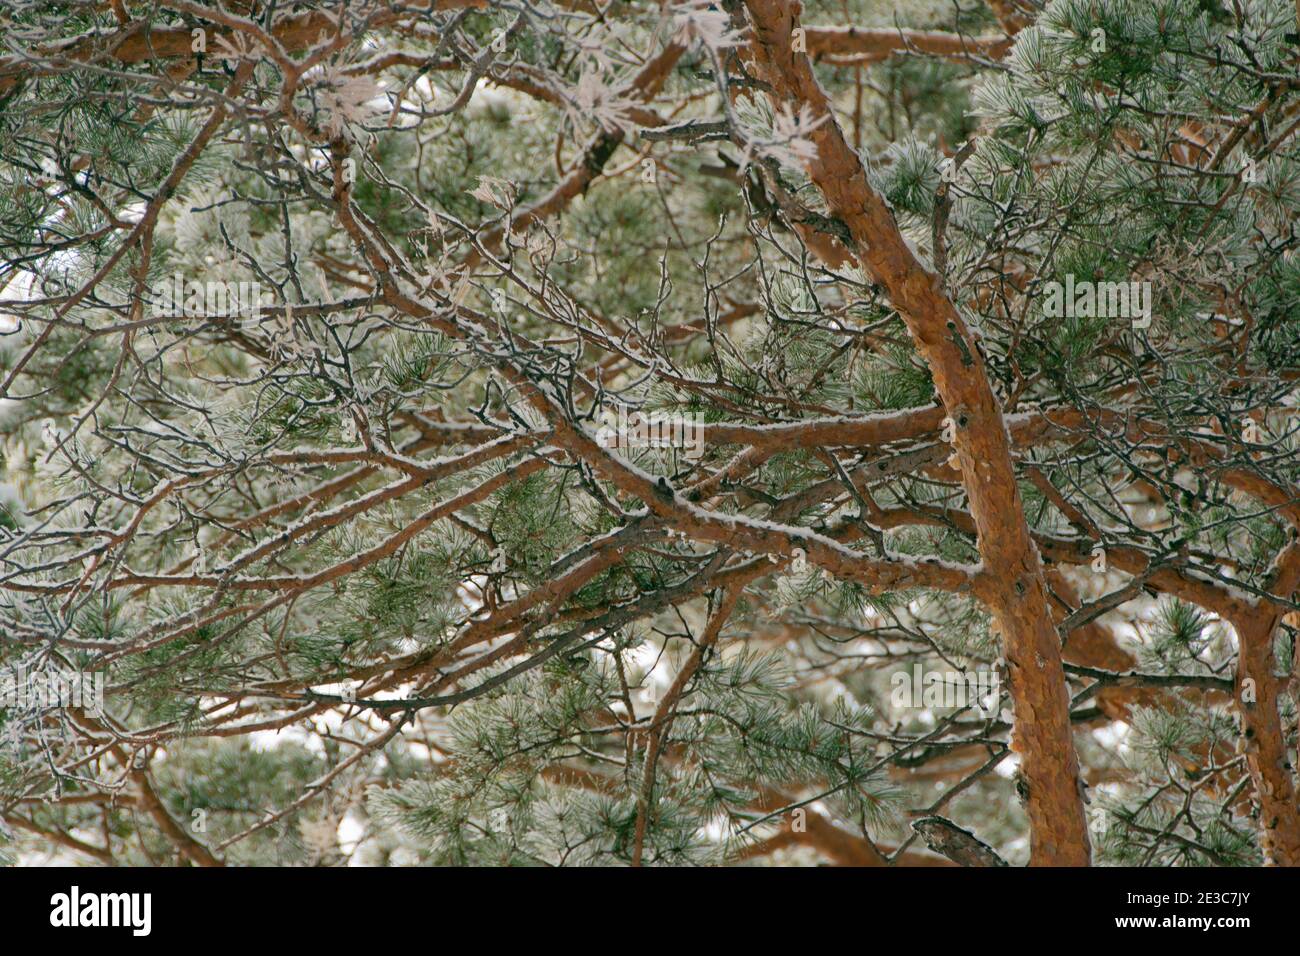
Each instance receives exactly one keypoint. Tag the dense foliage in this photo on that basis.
(374, 564)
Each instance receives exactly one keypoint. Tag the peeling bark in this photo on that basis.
(1263, 736)
(1013, 586)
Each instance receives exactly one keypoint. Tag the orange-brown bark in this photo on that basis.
(136, 43)
(1265, 738)
(1013, 586)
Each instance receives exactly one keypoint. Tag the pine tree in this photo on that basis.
(621, 432)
